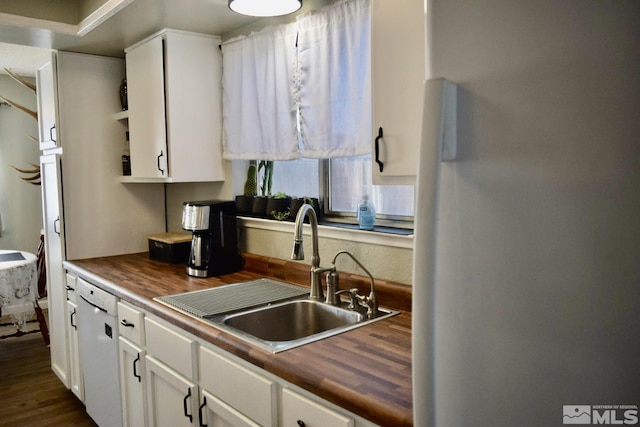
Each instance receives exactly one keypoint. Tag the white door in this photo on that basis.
(214, 412)
(172, 399)
(147, 128)
(46, 85)
(132, 383)
(55, 253)
(397, 29)
(75, 364)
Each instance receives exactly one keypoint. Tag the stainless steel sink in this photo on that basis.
(293, 323)
(292, 320)
(261, 313)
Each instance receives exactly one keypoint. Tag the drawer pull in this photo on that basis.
(127, 324)
(301, 423)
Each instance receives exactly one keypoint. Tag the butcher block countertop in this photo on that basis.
(366, 370)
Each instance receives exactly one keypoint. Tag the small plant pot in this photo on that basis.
(259, 206)
(278, 208)
(244, 204)
(297, 203)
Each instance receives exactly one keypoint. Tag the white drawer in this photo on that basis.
(131, 323)
(171, 347)
(71, 286)
(297, 409)
(246, 391)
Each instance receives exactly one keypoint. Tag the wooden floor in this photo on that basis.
(30, 393)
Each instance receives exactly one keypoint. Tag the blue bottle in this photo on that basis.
(366, 213)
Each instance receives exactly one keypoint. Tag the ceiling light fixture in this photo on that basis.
(264, 8)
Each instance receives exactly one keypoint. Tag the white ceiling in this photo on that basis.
(127, 26)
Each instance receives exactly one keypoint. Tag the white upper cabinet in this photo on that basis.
(46, 84)
(175, 108)
(398, 74)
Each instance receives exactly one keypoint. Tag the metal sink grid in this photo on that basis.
(229, 298)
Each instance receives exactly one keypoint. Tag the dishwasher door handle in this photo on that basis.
(92, 304)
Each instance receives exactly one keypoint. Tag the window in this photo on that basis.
(318, 89)
(297, 178)
(350, 177)
(340, 183)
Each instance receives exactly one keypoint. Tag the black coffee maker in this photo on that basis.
(214, 246)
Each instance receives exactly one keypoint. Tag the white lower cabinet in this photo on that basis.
(172, 398)
(171, 378)
(133, 384)
(214, 412)
(75, 365)
(238, 395)
(298, 410)
(172, 391)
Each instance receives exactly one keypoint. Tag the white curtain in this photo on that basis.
(265, 78)
(335, 81)
(258, 106)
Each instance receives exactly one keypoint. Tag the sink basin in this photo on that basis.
(289, 324)
(292, 320)
(272, 315)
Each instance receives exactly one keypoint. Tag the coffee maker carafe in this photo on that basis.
(214, 246)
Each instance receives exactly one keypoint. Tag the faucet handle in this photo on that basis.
(333, 287)
(353, 295)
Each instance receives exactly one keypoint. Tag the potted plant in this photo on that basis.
(244, 202)
(278, 206)
(297, 202)
(259, 207)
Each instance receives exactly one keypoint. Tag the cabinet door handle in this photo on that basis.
(135, 369)
(126, 324)
(378, 138)
(185, 407)
(56, 226)
(204, 403)
(71, 320)
(159, 156)
(300, 423)
(51, 129)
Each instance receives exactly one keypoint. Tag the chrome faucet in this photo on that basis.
(316, 292)
(370, 301)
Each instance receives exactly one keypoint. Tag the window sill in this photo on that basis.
(336, 231)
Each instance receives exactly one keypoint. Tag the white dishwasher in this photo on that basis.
(98, 336)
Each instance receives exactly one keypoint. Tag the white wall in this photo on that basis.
(20, 202)
(537, 298)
